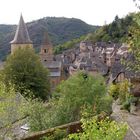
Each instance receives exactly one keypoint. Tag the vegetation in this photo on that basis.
(60, 30)
(81, 91)
(121, 91)
(11, 109)
(117, 31)
(24, 70)
(68, 45)
(57, 135)
(134, 42)
(103, 129)
(37, 115)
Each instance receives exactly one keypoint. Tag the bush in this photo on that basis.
(113, 91)
(124, 91)
(121, 91)
(103, 129)
(57, 135)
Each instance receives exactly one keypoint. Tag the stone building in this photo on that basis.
(88, 60)
(22, 39)
(48, 60)
(46, 52)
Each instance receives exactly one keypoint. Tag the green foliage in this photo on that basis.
(113, 91)
(67, 45)
(134, 42)
(117, 31)
(11, 109)
(122, 91)
(57, 135)
(37, 115)
(80, 92)
(103, 129)
(24, 70)
(77, 92)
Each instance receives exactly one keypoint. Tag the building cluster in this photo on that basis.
(104, 58)
(101, 57)
(94, 58)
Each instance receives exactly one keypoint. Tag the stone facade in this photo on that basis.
(47, 58)
(22, 40)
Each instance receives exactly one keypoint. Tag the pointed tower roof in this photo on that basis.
(46, 40)
(21, 36)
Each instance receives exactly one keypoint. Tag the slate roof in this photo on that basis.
(21, 35)
(55, 74)
(118, 68)
(46, 40)
(52, 64)
(91, 64)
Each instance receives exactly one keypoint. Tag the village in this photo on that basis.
(104, 58)
(101, 57)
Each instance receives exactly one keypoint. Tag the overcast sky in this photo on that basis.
(94, 12)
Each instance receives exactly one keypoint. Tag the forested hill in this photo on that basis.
(60, 30)
(117, 31)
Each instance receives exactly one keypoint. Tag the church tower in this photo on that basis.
(21, 38)
(46, 52)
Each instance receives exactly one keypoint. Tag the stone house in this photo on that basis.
(119, 73)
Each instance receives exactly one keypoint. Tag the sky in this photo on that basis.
(95, 12)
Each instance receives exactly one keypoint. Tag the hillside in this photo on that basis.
(117, 31)
(60, 30)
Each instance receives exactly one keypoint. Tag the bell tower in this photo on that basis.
(21, 38)
(46, 52)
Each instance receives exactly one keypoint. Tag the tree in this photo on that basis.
(134, 41)
(79, 92)
(24, 69)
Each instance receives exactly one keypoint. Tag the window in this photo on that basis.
(45, 50)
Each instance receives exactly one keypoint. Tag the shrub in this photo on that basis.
(113, 91)
(57, 135)
(103, 129)
(124, 91)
